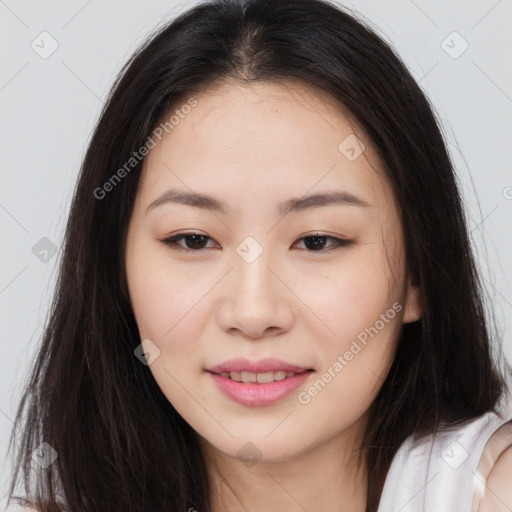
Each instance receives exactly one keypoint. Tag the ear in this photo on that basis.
(413, 303)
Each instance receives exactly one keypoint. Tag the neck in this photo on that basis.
(330, 477)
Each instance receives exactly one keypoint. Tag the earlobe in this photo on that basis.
(413, 304)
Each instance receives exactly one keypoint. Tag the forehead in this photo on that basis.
(248, 143)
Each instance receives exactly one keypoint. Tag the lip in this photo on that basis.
(259, 394)
(263, 366)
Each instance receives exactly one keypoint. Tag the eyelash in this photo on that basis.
(172, 242)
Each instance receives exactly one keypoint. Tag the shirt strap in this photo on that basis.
(499, 441)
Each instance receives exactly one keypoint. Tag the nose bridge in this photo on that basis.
(253, 301)
(253, 279)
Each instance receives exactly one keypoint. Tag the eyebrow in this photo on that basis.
(206, 202)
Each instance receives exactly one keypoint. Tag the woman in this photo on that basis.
(267, 299)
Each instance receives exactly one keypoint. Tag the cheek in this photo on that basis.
(349, 299)
(356, 359)
(166, 301)
(169, 308)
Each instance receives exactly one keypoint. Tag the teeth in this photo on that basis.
(261, 378)
(249, 377)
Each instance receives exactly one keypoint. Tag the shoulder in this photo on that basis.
(497, 495)
(455, 463)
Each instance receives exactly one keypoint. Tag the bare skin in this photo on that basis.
(253, 147)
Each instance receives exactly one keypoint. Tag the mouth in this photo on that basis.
(248, 377)
(278, 368)
(261, 388)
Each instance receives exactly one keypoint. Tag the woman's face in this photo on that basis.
(262, 279)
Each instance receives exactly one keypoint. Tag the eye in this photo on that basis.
(195, 242)
(317, 242)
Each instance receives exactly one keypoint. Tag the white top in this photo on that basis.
(446, 472)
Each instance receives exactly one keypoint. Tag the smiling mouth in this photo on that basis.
(259, 378)
(259, 389)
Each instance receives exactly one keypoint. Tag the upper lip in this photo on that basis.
(262, 366)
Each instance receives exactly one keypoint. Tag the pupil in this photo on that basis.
(195, 239)
(315, 243)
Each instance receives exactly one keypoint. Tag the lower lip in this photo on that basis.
(259, 394)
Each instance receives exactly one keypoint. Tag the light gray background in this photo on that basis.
(49, 106)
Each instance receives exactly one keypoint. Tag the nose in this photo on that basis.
(255, 301)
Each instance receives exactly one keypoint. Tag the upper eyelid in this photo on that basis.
(192, 233)
(306, 235)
